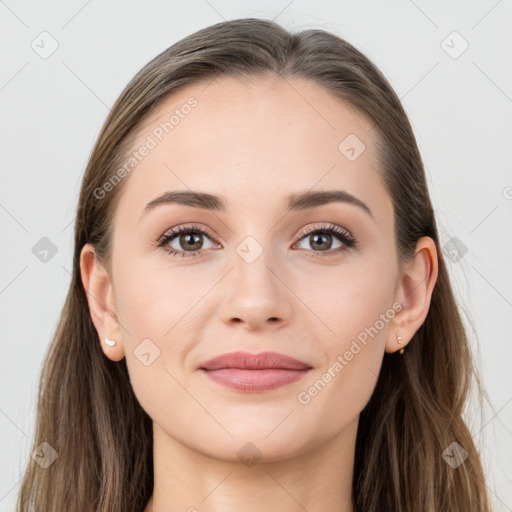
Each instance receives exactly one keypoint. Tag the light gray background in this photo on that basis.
(52, 110)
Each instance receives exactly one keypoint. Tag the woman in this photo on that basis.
(212, 354)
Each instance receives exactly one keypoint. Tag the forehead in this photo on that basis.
(254, 142)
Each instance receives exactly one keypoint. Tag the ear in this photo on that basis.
(414, 292)
(101, 300)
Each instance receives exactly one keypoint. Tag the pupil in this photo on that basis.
(315, 238)
(185, 239)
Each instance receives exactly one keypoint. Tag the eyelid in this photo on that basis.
(176, 230)
(326, 227)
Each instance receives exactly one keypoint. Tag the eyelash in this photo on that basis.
(349, 242)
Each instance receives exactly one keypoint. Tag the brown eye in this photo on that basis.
(190, 241)
(183, 240)
(321, 239)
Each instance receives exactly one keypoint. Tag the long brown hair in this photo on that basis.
(87, 411)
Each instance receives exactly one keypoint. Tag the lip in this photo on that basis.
(254, 372)
(261, 361)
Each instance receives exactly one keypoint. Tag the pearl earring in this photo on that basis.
(399, 341)
(110, 343)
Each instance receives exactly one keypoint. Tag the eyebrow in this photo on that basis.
(294, 201)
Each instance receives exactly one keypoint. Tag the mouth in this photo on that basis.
(254, 372)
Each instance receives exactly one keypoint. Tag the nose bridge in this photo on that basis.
(257, 295)
(253, 261)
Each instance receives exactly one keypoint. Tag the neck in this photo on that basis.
(319, 479)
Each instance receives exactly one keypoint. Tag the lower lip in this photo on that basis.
(255, 380)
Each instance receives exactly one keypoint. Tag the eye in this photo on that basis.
(321, 238)
(188, 237)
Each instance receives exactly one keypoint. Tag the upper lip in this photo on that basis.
(261, 361)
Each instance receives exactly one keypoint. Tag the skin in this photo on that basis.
(255, 142)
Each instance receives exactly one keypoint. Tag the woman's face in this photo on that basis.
(263, 278)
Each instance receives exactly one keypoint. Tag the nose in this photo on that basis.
(256, 296)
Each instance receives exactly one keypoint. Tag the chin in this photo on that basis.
(250, 446)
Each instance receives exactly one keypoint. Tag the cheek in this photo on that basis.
(154, 295)
(160, 314)
(339, 390)
(355, 306)
(347, 300)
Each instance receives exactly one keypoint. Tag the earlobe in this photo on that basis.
(102, 306)
(415, 293)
